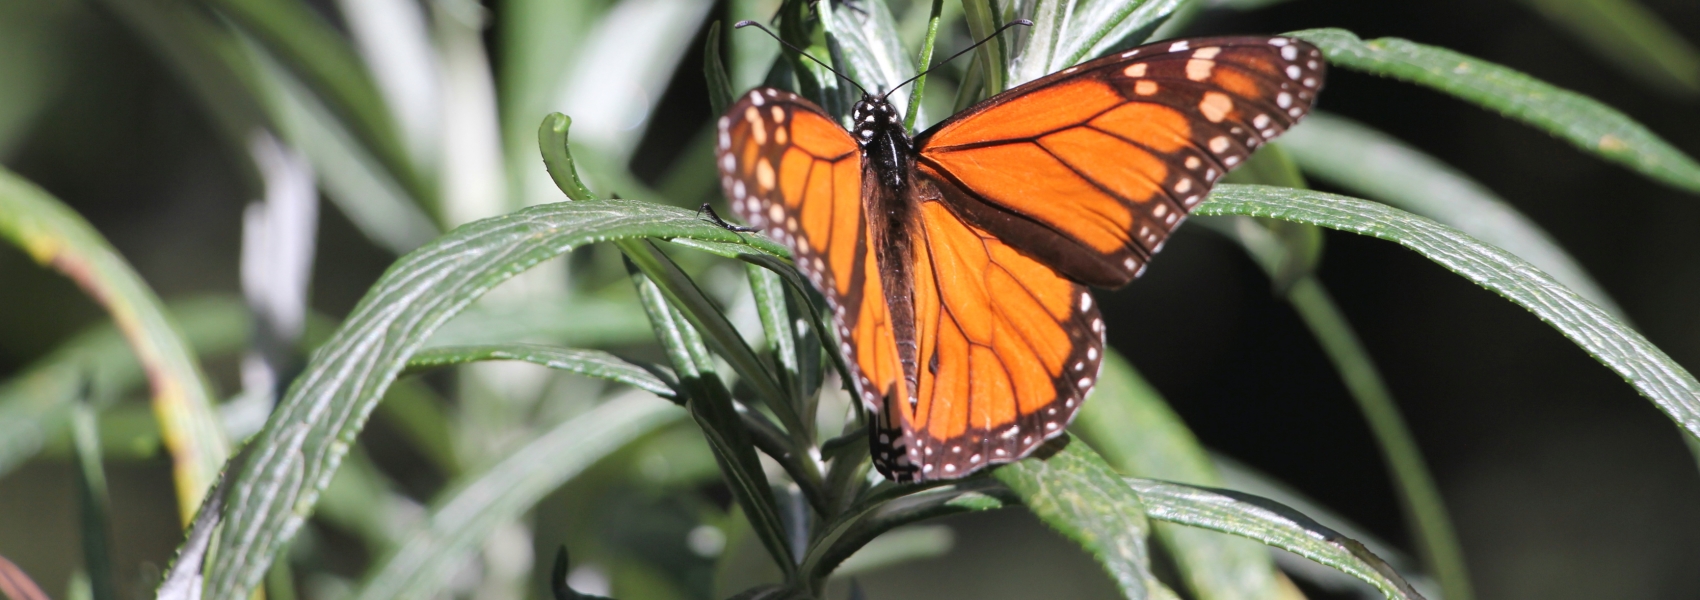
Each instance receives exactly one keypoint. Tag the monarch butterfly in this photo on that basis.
(956, 263)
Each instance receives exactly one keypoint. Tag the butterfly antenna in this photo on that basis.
(994, 35)
(775, 36)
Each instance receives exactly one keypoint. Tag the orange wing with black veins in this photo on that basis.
(1091, 168)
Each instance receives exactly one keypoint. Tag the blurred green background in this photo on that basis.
(1562, 482)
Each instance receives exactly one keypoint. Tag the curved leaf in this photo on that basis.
(469, 511)
(1075, 493)
(307, 436)
(36, 403)
(1381, 167)
(590, 363)
(1578, 119)
(1244, 479)
(1068, 32)
(1271, 523)
(57, 237)
(1623, 350)
(1135, 431)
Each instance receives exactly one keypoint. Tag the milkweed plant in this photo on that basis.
(683, 383)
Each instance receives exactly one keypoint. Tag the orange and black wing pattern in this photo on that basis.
(794, 174)
(1090, 169)
(1007, 350)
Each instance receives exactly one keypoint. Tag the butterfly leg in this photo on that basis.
(714, 217)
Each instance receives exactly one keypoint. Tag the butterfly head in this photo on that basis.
(874, 117)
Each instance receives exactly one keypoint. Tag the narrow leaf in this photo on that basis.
(1075, 493)
(1380, 167)
(714, 71)
(590, 363)
(1580, 120)
(711, 406)
(58, 237)
(1271, 523)
(466, 514)
(1135, 431)
(1623, 350)
(301, 445)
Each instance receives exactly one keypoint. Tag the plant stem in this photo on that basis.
(1418, 494)
(922, 64)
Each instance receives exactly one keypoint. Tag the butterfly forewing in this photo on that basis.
(793, 173)
(1112, 154)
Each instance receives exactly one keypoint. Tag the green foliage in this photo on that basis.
(743, 346)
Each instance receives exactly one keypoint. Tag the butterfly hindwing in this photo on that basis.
(1115, 152)
(1008, 349)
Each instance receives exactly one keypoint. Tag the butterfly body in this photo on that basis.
(956, 263)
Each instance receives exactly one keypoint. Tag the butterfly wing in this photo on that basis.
(790, 171)
(1091, 168)
(1008, 349)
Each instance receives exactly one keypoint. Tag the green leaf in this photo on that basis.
(1069, 32)
(470, 510)
(1623, 350)
(709, 319)
(1244, 479)
(35, 404)
(1271, 523)
(1578, 119)
(1135, 431)
(1633, 37)
(1380, 167)
(57, 237)
(306, 437)
(873, 53)
(1078, 495)
(714, 71)
(899, 546)
(891, 507)
(580, 320)
(96, 507)
(711, 406)
(590, 363)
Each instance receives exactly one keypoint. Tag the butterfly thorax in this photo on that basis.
(888, 164)
(885, 144)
